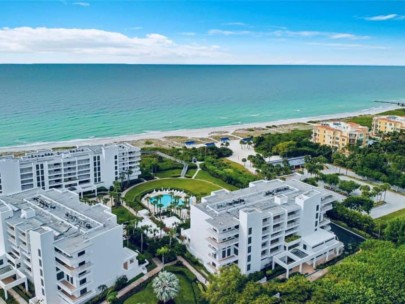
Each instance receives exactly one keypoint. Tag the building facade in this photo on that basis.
(80, 169)
(388, 124)
(263, 225)
(340, 134)
(66, 248)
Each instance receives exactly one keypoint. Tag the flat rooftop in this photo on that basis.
(70, 220)
(273, 197)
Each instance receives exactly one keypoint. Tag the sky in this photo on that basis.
(203, 32)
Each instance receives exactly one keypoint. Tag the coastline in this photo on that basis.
(189, 133)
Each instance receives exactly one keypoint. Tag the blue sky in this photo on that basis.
(201, 32)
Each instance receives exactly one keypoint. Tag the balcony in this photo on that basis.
(222, 235)
(223, 244)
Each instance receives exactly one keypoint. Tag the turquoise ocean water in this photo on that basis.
(40, 103)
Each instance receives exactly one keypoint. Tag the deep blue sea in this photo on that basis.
(40, 103)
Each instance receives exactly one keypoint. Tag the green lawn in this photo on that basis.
(204, 175)
(123, 215)
(190, 172)
(169, 173)
(147, 296)
(395, 215)
(237, 166)
(198, 188)
(367, 120)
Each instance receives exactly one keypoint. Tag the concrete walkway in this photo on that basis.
(193, 270)
(198, 170)
(150, 274)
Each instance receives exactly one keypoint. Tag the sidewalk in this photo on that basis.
(193, 270)
(142, 279)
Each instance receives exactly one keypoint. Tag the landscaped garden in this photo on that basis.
(189, 291)
(198, 188)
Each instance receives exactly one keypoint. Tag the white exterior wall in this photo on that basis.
(105, 269)
(295, 213)
(19, 174)
(250, 219)
(199, 233)
(44, 266)
(10, 176)
(309, 220)
(107, 161)
(4, 244)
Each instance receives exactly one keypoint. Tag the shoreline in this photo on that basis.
(189, 133)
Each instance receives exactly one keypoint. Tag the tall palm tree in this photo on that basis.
(171, 233)
(129, 173)
(143, 228)
(166, 286)
(163, 251)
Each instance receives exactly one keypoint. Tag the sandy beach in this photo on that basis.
(188, 133)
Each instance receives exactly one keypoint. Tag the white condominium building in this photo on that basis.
(80, 169)
(271, 222)
(66, 248)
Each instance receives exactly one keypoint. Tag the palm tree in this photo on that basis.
(112, 296)
(160, 225)
(166, 286)
(177, 201)
(129, 173)
(143, 228)
(244, 162)
(116, 191)
(385, 187)
(171, 233)
(163, 251)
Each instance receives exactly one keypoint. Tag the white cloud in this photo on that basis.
(83, 4)
(235, 24)
(330, 35)
(288, 33)
(229, 33)
(385, 17)
(350, 46)
(188, 34)
(92, 45)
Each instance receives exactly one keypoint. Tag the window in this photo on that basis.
(249, 258)
(43, 292)
(305, 247)
(41, 273)
(250, 230)
(60, 276)
(317, 215)
(249, 249)
(83, 281)
(39, 252)
(317, 207)
(81, 253)
(42, 282)
(248, 267)
(40, 262)
(1, 262)
(83, 291)
(82, 263)
(249, 240)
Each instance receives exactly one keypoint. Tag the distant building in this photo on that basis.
(295, 162)
(271, 222)
(388, 124)
(79, 169)
(66, 248)
(340, 134)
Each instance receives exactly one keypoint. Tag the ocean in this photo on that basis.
(42, 103)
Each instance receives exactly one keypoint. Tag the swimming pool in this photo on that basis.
(166, 200)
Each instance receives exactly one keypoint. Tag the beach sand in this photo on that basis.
(176, 138)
